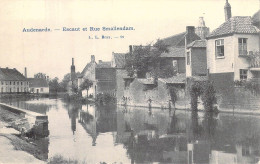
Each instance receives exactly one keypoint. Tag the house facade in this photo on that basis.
(12, 81)
(196, 59)
(38, 86)
(231, 49)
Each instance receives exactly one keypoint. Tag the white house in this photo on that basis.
(231, 48)
(38, 85)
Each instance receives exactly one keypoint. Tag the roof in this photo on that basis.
(37, 82)
(175, 40)
(174, 52)
(197, 44)
(86, 68)
(119, 60)
(146, 81)
(102, 64)
(11, 74)
(200, 78)
(238, 24)
(179, 79)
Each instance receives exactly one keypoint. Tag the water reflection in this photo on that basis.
(136, 135)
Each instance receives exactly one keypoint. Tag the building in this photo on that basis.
(101, 74)
(89, 73)
(38, 85)
(196, 59)
(175, 58)
(201, 30)
(12, 81)
(231, 47)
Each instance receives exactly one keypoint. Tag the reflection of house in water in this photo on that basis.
(198, 152)
(97, 120)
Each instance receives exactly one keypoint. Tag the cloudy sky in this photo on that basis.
(51, 52)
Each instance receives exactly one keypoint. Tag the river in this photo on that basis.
(136, 135)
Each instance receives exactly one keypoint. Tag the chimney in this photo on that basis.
(190, 29)
(72, 68)
(227, 10)
(25, 72)
(130, 48)
(92, 58)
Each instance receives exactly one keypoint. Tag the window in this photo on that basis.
(243, 74)
(2, 82)
(41, 89)
(14, 82)
(219, 48)
(242, 46)
(188, 58)
(2, 90)
(10, 83)
(21, 83)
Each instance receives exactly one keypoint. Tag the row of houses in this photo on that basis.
(12, 81)
(227, 54)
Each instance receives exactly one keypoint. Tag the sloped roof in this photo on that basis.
(198, 44)
(237, 24)
(179, 79)
(104, 64)
(175, 40)
(11, 74)
(37, 82)
(86, 68)
(174, 52)
(119, 60)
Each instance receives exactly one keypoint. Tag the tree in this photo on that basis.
(54, 85)
(86, 85)
(173, 93)
(65, 81)
(40, 75)
(145, 59)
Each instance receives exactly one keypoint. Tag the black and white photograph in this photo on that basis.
(130, 82)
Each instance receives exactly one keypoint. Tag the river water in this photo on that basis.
(115, 134)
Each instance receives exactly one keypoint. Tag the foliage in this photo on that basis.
(58, 159)
(40, 75)
(86, 85)
(54, 85)
(65, 81)
(173, 93)
(145, 59)
(207, 92)
(253, 85)
(208, 96)
(105, 99)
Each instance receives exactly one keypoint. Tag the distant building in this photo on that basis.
(101, 74)
(38, 85)
(12, 81)
(230, 49)
(201, 30)
(175, 58)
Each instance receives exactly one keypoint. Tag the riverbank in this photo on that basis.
(186, 107)
(16, 148)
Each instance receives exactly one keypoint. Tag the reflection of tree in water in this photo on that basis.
(209, 124)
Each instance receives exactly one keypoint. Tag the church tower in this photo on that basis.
(72, 71)
(227, 10)
(201, 30)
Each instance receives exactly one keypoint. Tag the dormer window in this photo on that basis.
(219, 48)
(242, 46)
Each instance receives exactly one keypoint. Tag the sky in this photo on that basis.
(51, 52)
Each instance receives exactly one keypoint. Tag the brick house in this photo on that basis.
(12, 81)
(196, 59)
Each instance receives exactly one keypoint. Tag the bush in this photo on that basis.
(105, 99)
